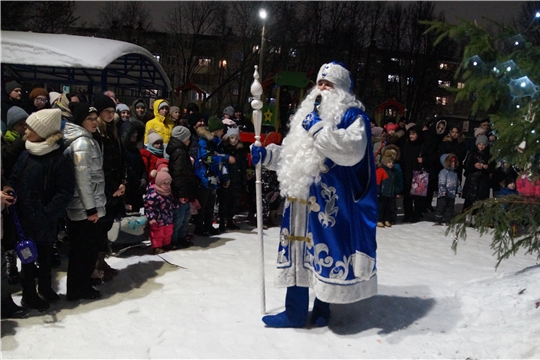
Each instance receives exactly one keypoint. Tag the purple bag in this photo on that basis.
(419, 184)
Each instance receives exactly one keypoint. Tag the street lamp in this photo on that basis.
(262, 15)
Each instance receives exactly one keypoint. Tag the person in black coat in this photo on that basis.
(44, 182)
(433, 136)
(229, 197)
(412, 157)
(137, 176)
(115, 169)
(478, 171)
(184, 183)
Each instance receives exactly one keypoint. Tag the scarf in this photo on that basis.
(161, 191)
(40, 148)
(153, 150)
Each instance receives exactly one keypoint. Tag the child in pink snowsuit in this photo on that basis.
(159, 207)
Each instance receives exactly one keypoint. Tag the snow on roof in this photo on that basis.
(61, 50)
(71, 51)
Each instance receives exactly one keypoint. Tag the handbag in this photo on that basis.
(26, 248)
(419, 185)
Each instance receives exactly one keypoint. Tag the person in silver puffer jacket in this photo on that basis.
(88, 204)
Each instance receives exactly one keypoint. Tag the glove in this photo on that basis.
(310, 120)
(258, 153)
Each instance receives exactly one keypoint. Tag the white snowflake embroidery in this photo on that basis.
(330, 196)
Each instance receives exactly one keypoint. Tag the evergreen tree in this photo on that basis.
(501, 72)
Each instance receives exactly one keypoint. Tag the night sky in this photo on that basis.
(467, 10)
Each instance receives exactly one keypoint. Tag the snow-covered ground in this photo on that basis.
(432, 303)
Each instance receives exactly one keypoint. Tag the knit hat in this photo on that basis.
(15, 115)
(45, 122)
(479, 131)
(192, 108)
(181, 133)
(508, 181)
(337, 74)
(174, 108)
(140, 104)
(122, 107)
(53, 95)
(376, 131)
(194, 118)
(102, 102)
(162, 176)
(409, 125)
(80, 111)
(229, 110)
(38, 92)
(390, 127)
(481, 139)
(154, 137)
(386, 159)
(163, 104)
(12, 85)
(233, 131)
(214, 123)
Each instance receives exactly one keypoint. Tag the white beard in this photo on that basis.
(300, 162)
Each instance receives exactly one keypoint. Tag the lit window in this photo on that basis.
(222, 63)
(410, 80)
(441, 100)
(443, 66)
(460, 85)
(394, 59)
(393, 78)
(444, 84)
(206, 62)
(157, 57)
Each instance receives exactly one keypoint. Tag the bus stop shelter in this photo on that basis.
(70, 60)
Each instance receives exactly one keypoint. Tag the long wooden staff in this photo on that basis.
(257, 104)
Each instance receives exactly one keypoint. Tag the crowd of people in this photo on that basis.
(73, 167)
(454, 166)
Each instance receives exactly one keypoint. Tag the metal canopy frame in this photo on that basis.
(134, 69)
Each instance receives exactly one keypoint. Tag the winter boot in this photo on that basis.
(10, 310)
(320, 314)
(231, 225)
(222, 227)
(102, 265)
(30, 298)
(296, 310)
(12, 271)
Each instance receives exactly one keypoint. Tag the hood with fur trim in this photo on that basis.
(445, 160)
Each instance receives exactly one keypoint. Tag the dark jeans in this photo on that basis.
(43, 272)
(412, 207)
(445, 209)
(181, 222)
(207, 200)
(83, 253)
(387, 207)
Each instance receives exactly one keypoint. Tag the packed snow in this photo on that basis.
(432, 303)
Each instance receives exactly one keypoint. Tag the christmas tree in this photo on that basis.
(501, 71)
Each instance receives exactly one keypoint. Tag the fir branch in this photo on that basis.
(513, 221)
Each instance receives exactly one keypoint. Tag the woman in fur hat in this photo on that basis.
(44, 182)
(38, 100)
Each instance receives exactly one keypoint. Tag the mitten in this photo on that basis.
(310, 120)
(258, 153)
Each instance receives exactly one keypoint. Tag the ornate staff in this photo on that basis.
(257, 104)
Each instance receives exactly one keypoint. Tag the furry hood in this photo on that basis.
(449, 138)
(203, 132)
(445, 160)
(391, 151)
